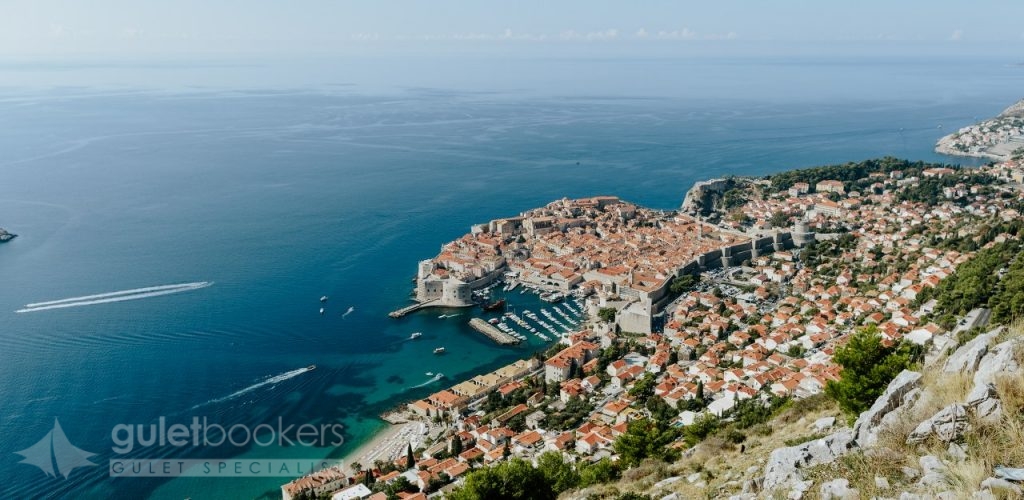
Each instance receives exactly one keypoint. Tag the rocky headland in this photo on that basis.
(1000, 138)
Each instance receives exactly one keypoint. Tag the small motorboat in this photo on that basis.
(311, 368)
(415, 335)
(323, 299)
(321, 311)
(439, 350)
(430, 374)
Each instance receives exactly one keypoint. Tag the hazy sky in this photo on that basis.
(70, 28)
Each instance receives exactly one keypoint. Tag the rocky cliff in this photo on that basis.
(706, 196)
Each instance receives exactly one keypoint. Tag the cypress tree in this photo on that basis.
(410, 460)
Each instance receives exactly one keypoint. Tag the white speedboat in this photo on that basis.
(321, 311)
(415, 335)
(439, 350)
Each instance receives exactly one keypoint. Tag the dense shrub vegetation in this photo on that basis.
(847, 172)
(993, 278)
(868, 367)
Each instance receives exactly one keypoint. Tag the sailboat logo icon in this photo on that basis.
(54, 454)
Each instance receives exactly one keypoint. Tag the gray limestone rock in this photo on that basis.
(957, 452)
(984, 400)
(968, 356)
(838, 489)
(910, 472)
(784, 463)
(867, 425)
(948, 424)
(934, 471)
(942, 344)
(999, 359)
(881, 483)
(995, 483)
(798, 489)
(1011, 473)
(983, 495)
(824, 423)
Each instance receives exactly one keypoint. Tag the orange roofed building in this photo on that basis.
(557, 367)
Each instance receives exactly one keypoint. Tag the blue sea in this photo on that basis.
(282, 182)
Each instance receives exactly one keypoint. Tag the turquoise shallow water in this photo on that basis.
(279, 197)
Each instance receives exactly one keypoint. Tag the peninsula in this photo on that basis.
(623, 255)
(1000, 138)
(5, 236)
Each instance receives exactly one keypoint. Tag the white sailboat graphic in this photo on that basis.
(54, 454)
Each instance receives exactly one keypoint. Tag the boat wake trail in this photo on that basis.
(437, 377)
(270, 381)
(121, 296)
(349, 311)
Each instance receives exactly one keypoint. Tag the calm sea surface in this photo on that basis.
(281, 192)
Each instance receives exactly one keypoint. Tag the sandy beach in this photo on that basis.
(390, 443)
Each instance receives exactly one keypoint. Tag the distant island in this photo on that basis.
(1000, 138)
(5, 236)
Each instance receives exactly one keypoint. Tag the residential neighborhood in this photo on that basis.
(763, 328)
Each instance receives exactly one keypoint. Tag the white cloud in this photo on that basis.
(642, 33)
(726, 36)
(684, 34)
(609, 34)
(957, 35)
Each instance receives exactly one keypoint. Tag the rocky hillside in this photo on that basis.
(952, 428)
(1015, 110)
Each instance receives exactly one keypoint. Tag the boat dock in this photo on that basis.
(411, 308)
(498, 336)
